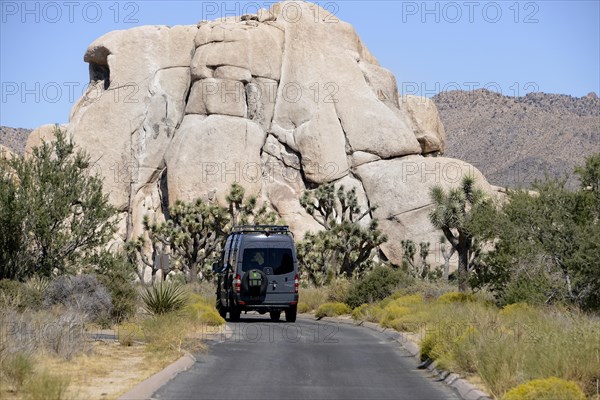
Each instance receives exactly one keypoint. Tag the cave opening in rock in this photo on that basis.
(99, 72)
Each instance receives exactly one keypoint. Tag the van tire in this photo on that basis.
(290, 314)
(275, 315)
(234, 314)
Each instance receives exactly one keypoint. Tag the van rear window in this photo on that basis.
(280, 261)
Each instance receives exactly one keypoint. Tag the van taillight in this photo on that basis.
(296, 283)
(237, 283)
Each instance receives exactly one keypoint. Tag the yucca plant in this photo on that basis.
(164, 298)
(37, 283)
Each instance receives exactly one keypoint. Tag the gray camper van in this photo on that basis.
(258, 271)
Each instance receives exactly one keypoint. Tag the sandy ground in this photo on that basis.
(110, 370)
(107, 372)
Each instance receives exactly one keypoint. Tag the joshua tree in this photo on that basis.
(195, 231)
(420, 270)
(452, 213)
(344, 247)
(447, 253)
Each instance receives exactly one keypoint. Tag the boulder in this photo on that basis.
(217, 96)
(209, 154)
(423, 118)
(400, 189)
(278, 102)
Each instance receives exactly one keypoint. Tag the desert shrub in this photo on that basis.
(368, 312)
(546, 389)
(23, 295)
(456, 297)
(46, 386)
(534, 287)
(205, 289)
(128, 333)
(338, 290)
(375, 286)
(332, 310)
(170, 333)
(163, 298)
(428, 289)
(428, 344)
(83, 293)
(311, 298)
(202, 311)
(34, 291)
(31, 332)
(303, 308)
(116, 274)
(10, 294)
(16, 369)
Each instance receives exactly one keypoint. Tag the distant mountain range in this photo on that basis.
(512, 140)
(516, 140)
(14, 138)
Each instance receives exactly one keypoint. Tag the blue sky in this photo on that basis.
(507, 46)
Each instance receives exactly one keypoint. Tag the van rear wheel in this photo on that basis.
(275, 315)
(234, 314)
(290, 314)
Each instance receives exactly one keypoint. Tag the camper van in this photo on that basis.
(258, 271)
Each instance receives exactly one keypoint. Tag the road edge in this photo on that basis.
(465, 389)
(146, 388)
(149, 386)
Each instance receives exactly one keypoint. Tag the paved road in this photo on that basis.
(304, 360)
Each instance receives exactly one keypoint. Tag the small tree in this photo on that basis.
(53, 212)
(409, 250)
(242, 211)
(452, 213)
(589, 176)
(416, 269)
(344, 247)
(195, 232)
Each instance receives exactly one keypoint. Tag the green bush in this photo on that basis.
(10, 294)
(428, 344)
(375, 286)
(546, 389)
(332, 310)
(202, 311)
(116, 274)
(170, 334)
(46, 386)
(338, 290)
(164, 298)
(456, 297)
(368, 312)
(303, 307)
(27, 295)
(16, 369)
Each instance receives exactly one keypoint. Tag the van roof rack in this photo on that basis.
(261, 229)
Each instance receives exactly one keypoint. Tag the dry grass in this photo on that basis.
(145, 345)
(503, 348)
(312, 298)
(107, 372)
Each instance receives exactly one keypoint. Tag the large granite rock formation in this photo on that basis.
(278, 102)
